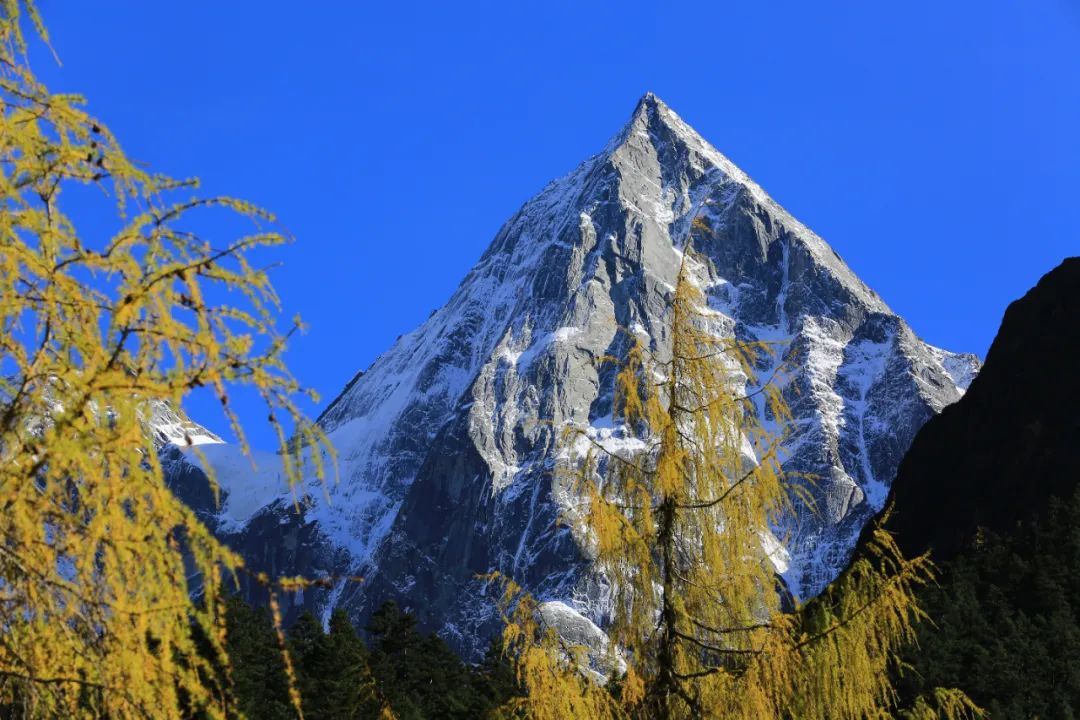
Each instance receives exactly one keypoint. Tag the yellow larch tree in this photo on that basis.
(682, 529)
(106, 579)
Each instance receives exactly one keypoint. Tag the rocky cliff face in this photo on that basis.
(446, 443)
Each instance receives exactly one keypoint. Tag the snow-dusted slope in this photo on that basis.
(172, 426)
(446, 441)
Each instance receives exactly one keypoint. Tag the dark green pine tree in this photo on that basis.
(332, 670)
(355, 695)
(420, 675)
(397, 662)
(259, 682)
(308, 650)
(494, 680)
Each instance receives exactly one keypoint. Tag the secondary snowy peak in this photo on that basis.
(174, 427)
(446, 442)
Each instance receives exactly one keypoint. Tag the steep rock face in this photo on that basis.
(447, 441)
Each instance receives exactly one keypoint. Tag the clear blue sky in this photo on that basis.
(936, 146)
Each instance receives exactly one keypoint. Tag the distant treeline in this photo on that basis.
(1005, 620)
(340, 677)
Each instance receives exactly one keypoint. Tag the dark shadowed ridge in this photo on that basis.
(1012, 442)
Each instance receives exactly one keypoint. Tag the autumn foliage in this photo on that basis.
(680, 521)
(103, 572)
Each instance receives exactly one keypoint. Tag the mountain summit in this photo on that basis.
(447, 442)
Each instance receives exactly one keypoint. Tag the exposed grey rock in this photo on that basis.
(447, 441)
(578, 632)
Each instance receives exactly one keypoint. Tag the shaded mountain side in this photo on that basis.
(991, 487)
(1013, 441)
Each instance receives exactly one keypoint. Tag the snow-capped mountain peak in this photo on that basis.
(446, 442)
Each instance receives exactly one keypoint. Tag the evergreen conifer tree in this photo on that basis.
(332, 670)
(354, 694)
(494, 679)
(259, 683)
(420, 676)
